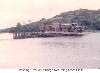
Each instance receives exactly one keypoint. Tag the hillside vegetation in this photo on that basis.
(88, 18)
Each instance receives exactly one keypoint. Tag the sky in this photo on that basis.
(25, 11)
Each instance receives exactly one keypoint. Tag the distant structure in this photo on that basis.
(57, 27)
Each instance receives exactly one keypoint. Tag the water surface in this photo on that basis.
(52, 52)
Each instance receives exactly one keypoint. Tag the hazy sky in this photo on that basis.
(13, 11)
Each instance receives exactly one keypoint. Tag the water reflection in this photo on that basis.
(52, 52)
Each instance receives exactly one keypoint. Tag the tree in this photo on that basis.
(19, 27)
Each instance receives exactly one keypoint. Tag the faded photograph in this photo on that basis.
(50, 34)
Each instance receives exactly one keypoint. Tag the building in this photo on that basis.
(54, 27)
(66, 27)
(57, 27)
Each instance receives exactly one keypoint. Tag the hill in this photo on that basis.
(88, 18)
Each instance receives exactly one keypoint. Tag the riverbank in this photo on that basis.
(23, 35)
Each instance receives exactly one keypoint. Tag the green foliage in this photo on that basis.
(24, 28)
(85, 17)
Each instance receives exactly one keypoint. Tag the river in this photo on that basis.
(51, 52)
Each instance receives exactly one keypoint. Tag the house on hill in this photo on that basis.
(57, 27)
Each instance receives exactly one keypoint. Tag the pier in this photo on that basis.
(23, 35)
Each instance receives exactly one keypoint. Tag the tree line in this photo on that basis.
(88, 18)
